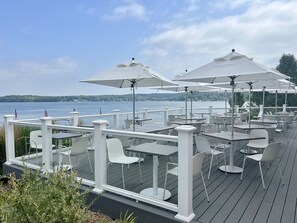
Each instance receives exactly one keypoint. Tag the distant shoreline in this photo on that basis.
(196, 96)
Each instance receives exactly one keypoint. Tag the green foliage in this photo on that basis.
(128, 218)
(288, 66)
(36, 199)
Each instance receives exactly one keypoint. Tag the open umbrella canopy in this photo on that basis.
(131, 75)
(233, 65)
(124, 75)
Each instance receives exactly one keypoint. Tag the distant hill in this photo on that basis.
(197, 96)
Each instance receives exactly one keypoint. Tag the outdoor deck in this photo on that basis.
(231, 200)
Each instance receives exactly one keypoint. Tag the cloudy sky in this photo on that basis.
(46, 47)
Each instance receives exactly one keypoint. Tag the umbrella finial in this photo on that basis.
(233, 50)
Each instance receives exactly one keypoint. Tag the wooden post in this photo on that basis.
(9, 138)
(185, 173)
(100, 156)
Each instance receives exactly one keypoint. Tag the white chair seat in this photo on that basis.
(115, 153)
(270, 154)
(202, 145)
(173, 171)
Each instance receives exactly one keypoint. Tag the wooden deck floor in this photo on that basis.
(231, 200)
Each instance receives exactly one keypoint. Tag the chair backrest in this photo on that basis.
(198, 128)
(271, 133)
(259, 133)
(126, 142)
(270, 153)
(36, 139)
(173, 132)
(197, 163)
(202, 144)
(79, 145)
(114, 149)
(244, 117)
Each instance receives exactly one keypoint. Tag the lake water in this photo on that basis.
(36, 109)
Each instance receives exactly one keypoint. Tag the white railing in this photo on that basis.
(184, 207)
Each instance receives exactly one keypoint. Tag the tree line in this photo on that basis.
(196, 96)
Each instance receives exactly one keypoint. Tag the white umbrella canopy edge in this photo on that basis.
(131, 75)
(232, 66)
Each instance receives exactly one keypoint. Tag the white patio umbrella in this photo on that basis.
(189, 87)
(233, 66)
(260, 85)
(131, 75)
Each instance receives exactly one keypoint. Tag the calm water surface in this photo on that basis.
(37, 109)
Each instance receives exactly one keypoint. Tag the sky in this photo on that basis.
(47, 47)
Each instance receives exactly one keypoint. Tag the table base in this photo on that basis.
(150, 192)
(249, 151)
(231, 169)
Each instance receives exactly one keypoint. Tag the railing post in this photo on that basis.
(9, 138)
(100, 155)
(166, 123)
(47, 155)
(116, 118)
(145, 113)
(185, 173)
(74, 121)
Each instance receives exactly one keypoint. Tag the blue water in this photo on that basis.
(36, 109)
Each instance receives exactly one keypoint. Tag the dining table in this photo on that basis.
(59, 137)
(154, 149)
(231, 137)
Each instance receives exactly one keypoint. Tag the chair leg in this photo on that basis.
(262, 175)
(204, 186)
(280, 171)
(211, 159)
(242, 168)
(123, 177)
(90, 162)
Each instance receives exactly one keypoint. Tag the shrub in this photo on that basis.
(44, 198)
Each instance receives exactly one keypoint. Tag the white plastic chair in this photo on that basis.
(79, 146)
(202, 145)
(270, 154)
(197, 170)
(281, 128)
(115, 153)
(259, 144)
(36, 142)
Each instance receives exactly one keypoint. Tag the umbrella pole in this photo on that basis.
(251, 86)
(133, 101)
(232, 105)
(225, 102)
(191, 99)
(186, 90)
(275, 101)
(263, 103)
(286, 98)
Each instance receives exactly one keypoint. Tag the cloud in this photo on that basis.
(59, 65)
(129, 10)
(263, 31)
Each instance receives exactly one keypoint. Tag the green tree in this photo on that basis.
(288, 65)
